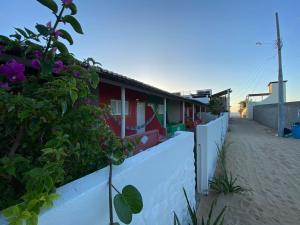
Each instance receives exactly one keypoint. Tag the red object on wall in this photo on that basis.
(145, 140)
(108, 92)
(155, 123)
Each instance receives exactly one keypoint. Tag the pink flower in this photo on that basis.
(56, 34)
(4, 85)
(58, 66)
(67, 2)
(13, 71)
(36, 64)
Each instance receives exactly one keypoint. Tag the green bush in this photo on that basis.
(52, 130)
(222, 182)
(219, 220)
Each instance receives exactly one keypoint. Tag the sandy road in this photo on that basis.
(268, 165)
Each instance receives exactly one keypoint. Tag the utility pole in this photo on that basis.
(281, 116)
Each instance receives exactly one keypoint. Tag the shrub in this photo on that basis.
(52, 130)
(219, 220)
(222, 182)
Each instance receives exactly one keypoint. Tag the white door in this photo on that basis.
(140, 116)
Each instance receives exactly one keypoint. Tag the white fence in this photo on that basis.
(208, 138)
(159, 173)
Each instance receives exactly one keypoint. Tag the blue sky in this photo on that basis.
(182, 45)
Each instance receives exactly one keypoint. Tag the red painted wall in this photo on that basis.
(155, 124)
(108, 92)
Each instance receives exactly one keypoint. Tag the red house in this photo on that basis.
(142, 111)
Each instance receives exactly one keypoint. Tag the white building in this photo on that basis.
(262, 99)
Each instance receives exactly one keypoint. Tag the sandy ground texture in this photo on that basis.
(270, 167)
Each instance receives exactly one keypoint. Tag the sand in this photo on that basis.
(270, 167)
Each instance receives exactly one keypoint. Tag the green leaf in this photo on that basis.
(33, 220)
(13, 211)
(64, 107)
(133, 198)
(94, 79)
(42, 29)
(61, 47)
(74, 23)
(65, 35)
(17, 36)
(122, 209)
(22, 32)
(29, 32)
(74, 96)
(49, 4)
(116, 157)
(46, 67)
(73, 8)
(4, 39)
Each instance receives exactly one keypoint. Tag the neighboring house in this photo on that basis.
(225, 97)
(142, 111)
(270, 97)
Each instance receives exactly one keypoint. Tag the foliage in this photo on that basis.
(52, 130)
(224, 183)
(216, 106)
(219, 220)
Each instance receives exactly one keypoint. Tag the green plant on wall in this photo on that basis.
(224, 182)
(52, 131)
(216, 106)
(219, 220)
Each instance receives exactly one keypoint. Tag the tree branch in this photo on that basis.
(17, 141)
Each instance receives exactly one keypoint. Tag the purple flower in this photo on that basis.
(54, 50)
(49, 25)
(36, 64)
(13, 71)
(56, 34)
(58, 66)
(2, 47)
(38, 54)
(67, 2)
(4, 85)
(88, 101)
(76, 74)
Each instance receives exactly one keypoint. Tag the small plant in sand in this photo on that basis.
(219, 220)
(224, 182)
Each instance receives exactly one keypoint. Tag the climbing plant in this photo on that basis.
(52, 130)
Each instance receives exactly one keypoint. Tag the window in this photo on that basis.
(160, 109)
(116, 107)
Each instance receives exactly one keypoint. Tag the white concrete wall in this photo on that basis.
(208, 136)
(159, 173)
(271, 99)
(207, 117)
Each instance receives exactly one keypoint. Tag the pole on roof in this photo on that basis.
(281, 116)
(183, 112)
(200, 112)
(165, 113)
(123, 112)
(228, 102)
(193, 112)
